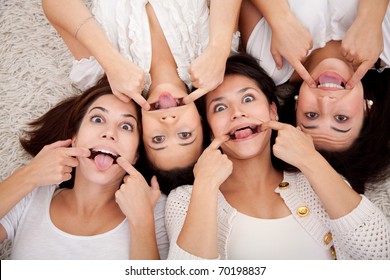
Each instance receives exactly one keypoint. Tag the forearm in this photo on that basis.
(372, 11)
(14, 188)
(273, 11)
(201, 215)
(143, 241)
(223, 23)
(73, 17)
(336, 195)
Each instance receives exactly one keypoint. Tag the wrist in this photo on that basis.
(311, 163)
(206, 185)
(25, 178)
(108, 57)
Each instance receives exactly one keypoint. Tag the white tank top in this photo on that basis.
(272, 239)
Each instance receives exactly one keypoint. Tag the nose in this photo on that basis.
(109, 134)
(169, 119)
(237, 112)
(326, 102)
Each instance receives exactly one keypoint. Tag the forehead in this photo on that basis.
(232, 84)
(175, 156)
(113, 104)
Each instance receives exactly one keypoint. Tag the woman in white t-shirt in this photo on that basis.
(104, 208)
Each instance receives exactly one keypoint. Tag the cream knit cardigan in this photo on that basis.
(362, 234)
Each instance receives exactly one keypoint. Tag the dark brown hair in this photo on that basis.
(63, 121)
(368, 158)
(245, 65)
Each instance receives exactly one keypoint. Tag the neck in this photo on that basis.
(255, 174)
(87, 196)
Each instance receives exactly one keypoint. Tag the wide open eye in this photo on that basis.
(219, 107)
(247, 98)
(127, 126)
(96, 119)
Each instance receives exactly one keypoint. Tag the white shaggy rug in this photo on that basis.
(34, 66)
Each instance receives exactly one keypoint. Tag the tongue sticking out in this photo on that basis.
(103, 162)
(166, 101)
(243, 133)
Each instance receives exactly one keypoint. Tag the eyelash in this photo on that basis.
(94, 117)
(243, 101)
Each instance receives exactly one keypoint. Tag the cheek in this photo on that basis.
(217, 125)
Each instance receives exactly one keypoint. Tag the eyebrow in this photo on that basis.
(332, 127)
(164, 147)
(240, 91)
(106, 111)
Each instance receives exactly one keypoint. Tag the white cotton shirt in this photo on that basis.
(326, 20)
(184, 23)
(275, 239)
(34, 236)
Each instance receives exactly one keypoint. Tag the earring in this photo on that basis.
(276, 118)
(296, 97)
(369, 104)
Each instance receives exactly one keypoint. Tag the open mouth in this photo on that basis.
(165, 101)
(244, 132)
(97, 152)
(330, 81)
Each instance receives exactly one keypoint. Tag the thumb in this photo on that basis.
(60, 144)
(278, 60)
(154, 184)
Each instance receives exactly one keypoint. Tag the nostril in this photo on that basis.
(168, 117)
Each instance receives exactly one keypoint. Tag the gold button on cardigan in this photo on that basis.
(303, 211)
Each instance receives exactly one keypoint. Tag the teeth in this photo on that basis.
(330, 85)
(104, 152)
(95, 152)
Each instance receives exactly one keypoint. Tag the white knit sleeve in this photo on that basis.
(175, 214)
(161, 232)
(362, 234)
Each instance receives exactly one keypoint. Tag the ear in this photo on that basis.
(274, 112)
(74, 140)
